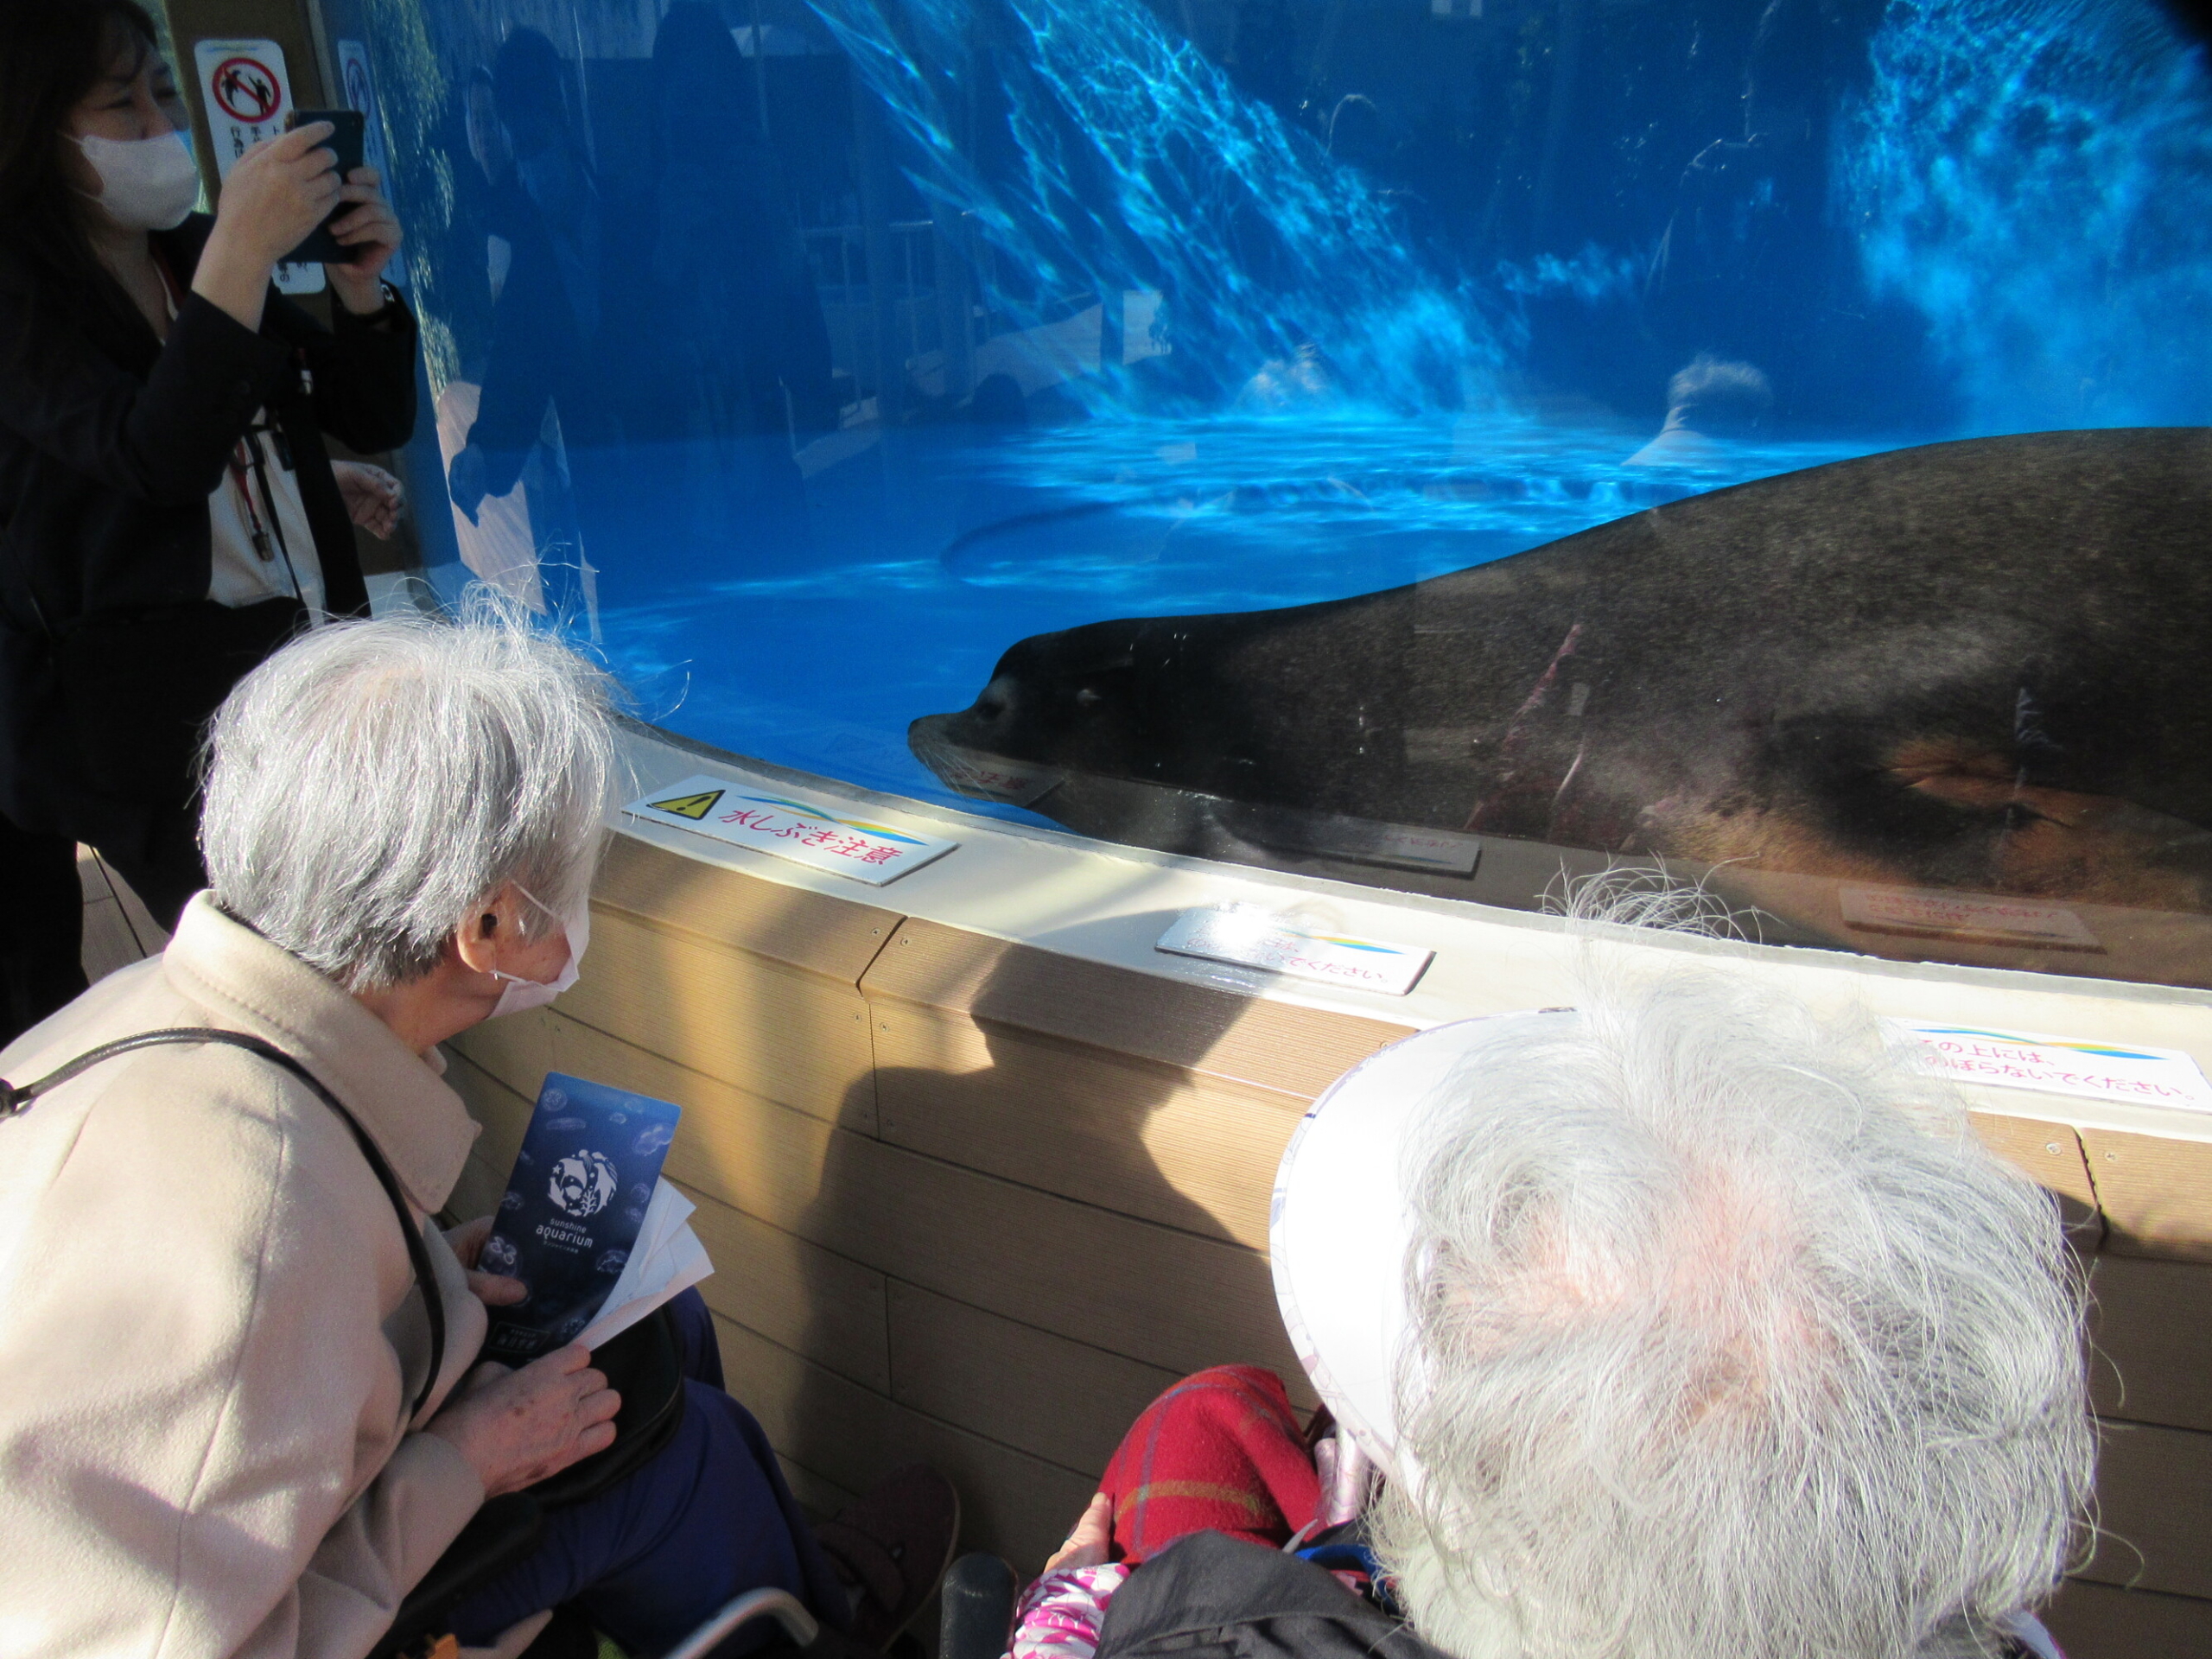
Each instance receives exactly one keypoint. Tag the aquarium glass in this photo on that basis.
(1151, 419)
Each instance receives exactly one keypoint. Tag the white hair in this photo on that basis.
(373, 782)
(1731, 1341)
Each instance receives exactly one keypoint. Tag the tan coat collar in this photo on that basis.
(253, 986)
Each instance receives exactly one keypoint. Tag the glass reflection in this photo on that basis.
(816, 356)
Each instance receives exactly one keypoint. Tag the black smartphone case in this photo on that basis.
(321, 247)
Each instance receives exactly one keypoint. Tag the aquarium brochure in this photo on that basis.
(587, 1223)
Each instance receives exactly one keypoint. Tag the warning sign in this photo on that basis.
(693, 807)
(361, 94)
(245, 89)
(805, 832)
(246, 93)
(2134, 1072)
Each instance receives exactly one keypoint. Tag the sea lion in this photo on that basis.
(1975, 666)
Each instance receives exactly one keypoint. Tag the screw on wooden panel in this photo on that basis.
(886, 1026)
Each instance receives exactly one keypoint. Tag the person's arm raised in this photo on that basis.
(281, 189)
(365, 362)
(371, 233)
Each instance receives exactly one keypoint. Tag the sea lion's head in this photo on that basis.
(1144, 728)
(1104, 700)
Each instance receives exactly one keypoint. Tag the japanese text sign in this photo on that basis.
(360, 82)
(1253, 938)
(361, 94)
(2058, 1066)
(995, 778)
(247, 94)
(762, 818)
(1929, 913)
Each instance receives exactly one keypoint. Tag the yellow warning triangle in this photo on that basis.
(688, 806)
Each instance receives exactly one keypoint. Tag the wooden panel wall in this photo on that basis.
(978, 1203)
(966, 1200)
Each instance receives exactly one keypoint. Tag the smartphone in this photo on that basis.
(351, 126)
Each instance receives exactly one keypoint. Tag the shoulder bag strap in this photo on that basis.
(15, 1100)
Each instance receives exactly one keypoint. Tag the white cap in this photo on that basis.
(1341, 1225)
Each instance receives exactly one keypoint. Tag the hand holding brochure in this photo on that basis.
(586, 1223)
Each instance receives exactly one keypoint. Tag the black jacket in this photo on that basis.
(111, 443)
(542, 349)
(1214, 1597)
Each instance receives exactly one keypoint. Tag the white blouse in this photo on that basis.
(260, 493)
(281, 563)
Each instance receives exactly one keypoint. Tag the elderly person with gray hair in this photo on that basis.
(244, 1414)
(1682, 1326)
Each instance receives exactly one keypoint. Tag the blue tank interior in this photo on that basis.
(857, 339)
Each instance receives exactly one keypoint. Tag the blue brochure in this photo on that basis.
(588, 1164)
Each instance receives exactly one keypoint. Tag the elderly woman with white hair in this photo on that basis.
(244, 1414)
(1682, 1326)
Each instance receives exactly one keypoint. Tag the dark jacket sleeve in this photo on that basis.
(165, 440)
(363, 371)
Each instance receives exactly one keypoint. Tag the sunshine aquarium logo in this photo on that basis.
(583, 1183)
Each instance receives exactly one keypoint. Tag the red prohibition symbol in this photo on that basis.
(246, 90)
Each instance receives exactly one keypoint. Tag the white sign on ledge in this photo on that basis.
(1924, 912)
(993, 776)
(2058, 1066)
(1253, 939)
(754, 816)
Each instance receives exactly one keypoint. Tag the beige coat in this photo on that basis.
(208, 1328)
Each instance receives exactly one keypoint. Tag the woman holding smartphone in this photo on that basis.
(167, 514)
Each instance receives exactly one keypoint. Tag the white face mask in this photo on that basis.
(522, 993)
(147, 184)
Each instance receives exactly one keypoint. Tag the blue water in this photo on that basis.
(1136, 164)
(2029, 176)
(2034, 176)
(1321, 364)
(905, 613)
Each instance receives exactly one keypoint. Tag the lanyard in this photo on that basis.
(245, 455)
(248, 468)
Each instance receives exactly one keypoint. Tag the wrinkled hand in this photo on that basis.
(466, 1241)
(374, 500)
(371, 231)
(516, 1427)
(465, 482)
(280, 189)
(1091, 1542)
